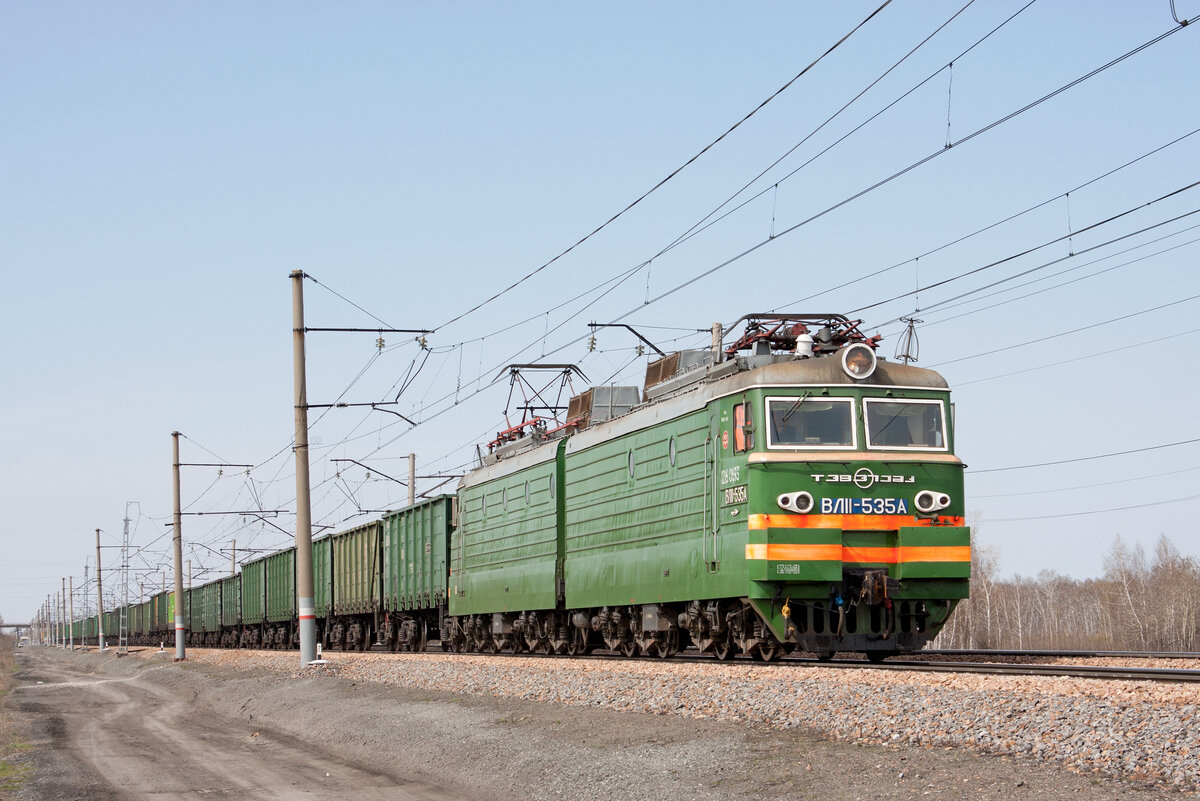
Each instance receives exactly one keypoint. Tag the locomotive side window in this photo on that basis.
(739, 435)
(807, 422)
(907, 424)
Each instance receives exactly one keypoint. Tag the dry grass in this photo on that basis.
(11, 745)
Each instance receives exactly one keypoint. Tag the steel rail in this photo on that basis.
(1105, 672)
(1100, 672)
(1062, 654)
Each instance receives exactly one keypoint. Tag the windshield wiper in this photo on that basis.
(794, 407)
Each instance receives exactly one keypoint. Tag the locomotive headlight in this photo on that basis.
(927, 501)
(858, 361)
(798, 502)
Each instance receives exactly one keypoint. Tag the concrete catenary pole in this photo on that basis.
(62, 616)
(304, 566)
(233, 558)
(180, 654)
(71, 612)
(412, 479)
(99, 595)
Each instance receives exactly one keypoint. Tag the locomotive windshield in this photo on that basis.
(808, 422)
(905, 424)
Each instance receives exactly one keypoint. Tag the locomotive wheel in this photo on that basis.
(630, 648)
(724, 650)
(669, 645)
(770, 651)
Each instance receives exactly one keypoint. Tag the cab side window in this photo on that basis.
(743, 432)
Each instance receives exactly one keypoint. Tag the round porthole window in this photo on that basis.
(483, 505)
(631, 464)
(526, 493)
(504, 498)
(552, 487)
(671, 451)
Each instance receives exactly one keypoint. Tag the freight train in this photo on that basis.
(791, 490)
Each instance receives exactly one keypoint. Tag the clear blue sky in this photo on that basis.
(165, 166)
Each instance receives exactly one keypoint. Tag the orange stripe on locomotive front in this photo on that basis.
(845, 522)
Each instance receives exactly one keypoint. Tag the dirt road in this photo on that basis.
(125, 737)
(146, 728)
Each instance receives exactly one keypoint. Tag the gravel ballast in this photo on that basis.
(1133, 731)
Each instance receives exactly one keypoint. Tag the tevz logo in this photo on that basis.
(863, 478)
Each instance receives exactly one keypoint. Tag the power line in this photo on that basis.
(1086, 458)
(676, 171)
(1066, 333)
(1094, 511)
(1061, 362)
(997, 223)
(962, 140)
(1045, 244)
(920, 162)
(949, 304)
(700, 226)
(1121, 481)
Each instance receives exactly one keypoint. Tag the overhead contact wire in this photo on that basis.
(677, 170)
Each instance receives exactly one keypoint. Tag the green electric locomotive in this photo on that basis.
(788, 491)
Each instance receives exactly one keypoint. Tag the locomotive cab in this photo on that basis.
(839, 468)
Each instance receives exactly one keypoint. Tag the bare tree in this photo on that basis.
(1139, 604)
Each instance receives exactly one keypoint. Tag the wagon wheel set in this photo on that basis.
(357, 634)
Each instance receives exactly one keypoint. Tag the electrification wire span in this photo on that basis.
(1085, 458)
(847, 200)
(1167, 502)
(996, 224)
(1072, 331)
(920, 162)
(629, 273)
(677, 170)
(1035, 248)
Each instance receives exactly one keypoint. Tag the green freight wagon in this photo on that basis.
(211, 621)
(357, 592)
(231, 611)
(254, 603)
(416, 546)
(163, 624)
(322, 556)
(145, 622)
(194, 615)
(211, 592)
(281, 598)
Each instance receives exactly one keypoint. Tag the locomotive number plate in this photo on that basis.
(735, 494)
(863, 506)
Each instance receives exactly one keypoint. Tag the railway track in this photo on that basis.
(952, 652)
(1105, 672)
(1018, 669)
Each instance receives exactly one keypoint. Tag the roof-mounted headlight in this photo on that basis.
(858, 360)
